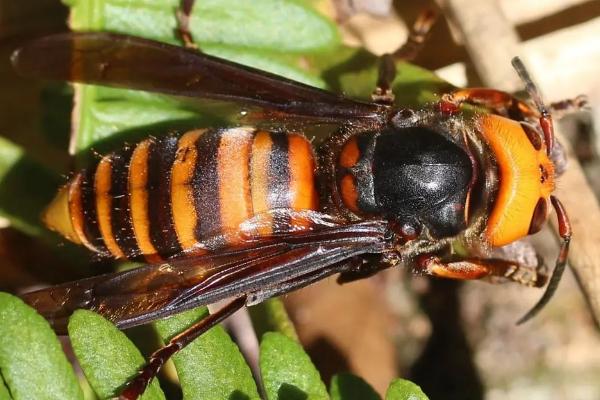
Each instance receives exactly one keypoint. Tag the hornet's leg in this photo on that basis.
(137, 385)
(183, 24)
(497, 101)
(502, 103)
(417, 36)
(564, 231)
(569, 106)
(386, 74)
(477, 268)
(407, 52)
(366, 267)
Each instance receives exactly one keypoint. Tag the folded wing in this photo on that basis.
(132, 62)
(155, 291)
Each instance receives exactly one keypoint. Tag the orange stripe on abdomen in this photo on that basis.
(303, 194)
(259, 177)
(76, 211)
(138, 179)
(182, 199)
(104, 206)
(235, 200)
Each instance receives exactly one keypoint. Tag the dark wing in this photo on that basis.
(155, 291)
(136, 63)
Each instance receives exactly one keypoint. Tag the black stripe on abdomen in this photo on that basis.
(279, 180)
(88, 205)
(160, 214)
(122, 226)
(206, 186)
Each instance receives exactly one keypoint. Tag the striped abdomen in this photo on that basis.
(164, 196)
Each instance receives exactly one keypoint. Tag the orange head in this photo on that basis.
(526, 180)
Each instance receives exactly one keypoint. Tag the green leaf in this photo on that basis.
(259, 24)
(108, 113)
(273, 62)
(88, 392)
(106, 355)
(254, 24)
(271, 316)
(353, 72)
(32, 362)
(26, 188)
(401, 389)
(351, 387)
(21, 202)
(4, 394)
(211, 367)
(287, 371)
(415, 86)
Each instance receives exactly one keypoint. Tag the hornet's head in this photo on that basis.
(526, 182)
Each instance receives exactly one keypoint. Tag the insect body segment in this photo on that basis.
(526, 180)
(414, 176)
(164, 196)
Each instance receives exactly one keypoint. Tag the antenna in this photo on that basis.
(564, 230)
(534, 93)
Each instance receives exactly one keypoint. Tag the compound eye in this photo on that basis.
(539, 216)
(534, 137)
